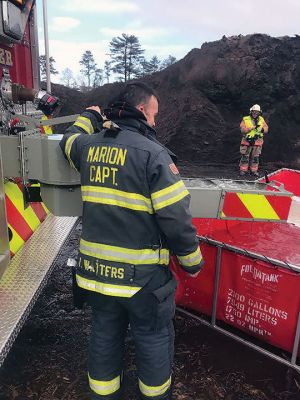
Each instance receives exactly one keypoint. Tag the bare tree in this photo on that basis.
(67, 77)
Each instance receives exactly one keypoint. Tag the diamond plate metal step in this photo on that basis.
(27, 275)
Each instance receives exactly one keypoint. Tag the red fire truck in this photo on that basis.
(20, 97)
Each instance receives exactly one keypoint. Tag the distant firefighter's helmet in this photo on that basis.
(256, 108)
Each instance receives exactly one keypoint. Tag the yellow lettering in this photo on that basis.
(113, 155)
(97, 268)
(90, 154)
(114, 171)
(102, 154)
(114, 272)
(108, 155)
(2, 59)
(96, 154)
(121, 157)
(102, 266)
(92, 172)
(8, 58)
(121, 273)
(107, 270)
(105, 173)
(98, 175)
(87, 266)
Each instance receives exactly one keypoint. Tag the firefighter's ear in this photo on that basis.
(140, 107)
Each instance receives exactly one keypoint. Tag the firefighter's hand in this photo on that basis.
(95, 108)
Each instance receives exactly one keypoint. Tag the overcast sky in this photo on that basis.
(163, 26)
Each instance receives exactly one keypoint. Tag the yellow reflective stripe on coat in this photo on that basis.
(105, 388)
(152, 391)
(169, 195)
(68, 148)
(123, 254)
(85, 124)
(103, 195)
(191, 259)
(106, 288)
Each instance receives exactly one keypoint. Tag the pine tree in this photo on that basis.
(151, 66)
(42, 62)
(98, 77)
(125, 53)
(89, 66)
(107, 70)
(167, 62)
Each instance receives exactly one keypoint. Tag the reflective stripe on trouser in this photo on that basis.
(244, 161)
(155, 352)
(250, 157)
(106, 350)
(105, 388)
(155, 391)
(154, 347)
(254, 158)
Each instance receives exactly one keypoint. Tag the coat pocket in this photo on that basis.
(164, 304)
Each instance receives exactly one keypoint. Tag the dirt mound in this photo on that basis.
(205, 95)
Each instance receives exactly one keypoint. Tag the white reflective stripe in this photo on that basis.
(106, 288)
(68, 148)
(191, 259)
(133, 201)
(122, 254)
(85, 124)
(152, 391)
(170, 195)
(105, 387)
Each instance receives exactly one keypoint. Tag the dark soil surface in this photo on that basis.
(204, 96)
(48, 359)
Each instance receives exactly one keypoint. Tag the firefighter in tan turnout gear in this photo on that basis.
(253, 128)
(135, 211)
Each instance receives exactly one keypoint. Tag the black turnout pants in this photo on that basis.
(149, 313)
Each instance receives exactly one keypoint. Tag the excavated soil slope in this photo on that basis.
(204, 96)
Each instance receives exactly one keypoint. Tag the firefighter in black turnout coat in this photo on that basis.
(135, 211)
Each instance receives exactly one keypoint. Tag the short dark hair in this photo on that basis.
(136, 93)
